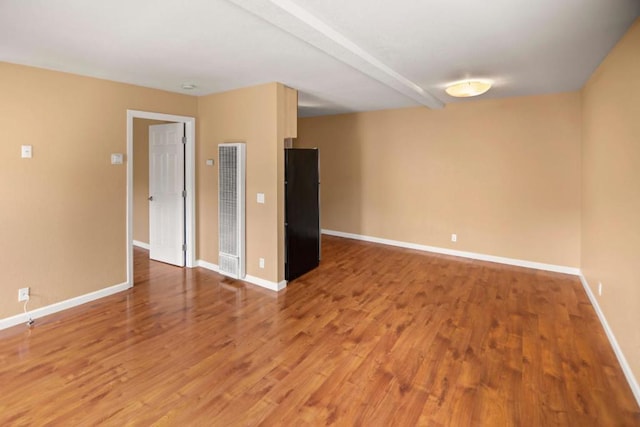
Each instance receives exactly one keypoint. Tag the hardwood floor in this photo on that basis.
(376, 336)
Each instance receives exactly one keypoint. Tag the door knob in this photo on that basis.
(151, 198)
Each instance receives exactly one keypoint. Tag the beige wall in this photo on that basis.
(63, 226)
(504, 175)
(287, 128)
(62, 221)
(255, 116)
(611, 191)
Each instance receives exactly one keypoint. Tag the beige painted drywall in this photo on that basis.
(504, 175)
(256, 116)
(290, 113)
(141, 178)
(287, 128)
(63, 212)
(611, 191)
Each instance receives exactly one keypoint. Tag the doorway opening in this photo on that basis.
(188, 124)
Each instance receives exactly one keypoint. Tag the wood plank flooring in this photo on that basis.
(376, 336)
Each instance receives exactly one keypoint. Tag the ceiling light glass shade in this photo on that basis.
(468, 88)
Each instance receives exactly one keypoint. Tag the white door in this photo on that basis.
(166, 193)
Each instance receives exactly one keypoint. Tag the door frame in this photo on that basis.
(190, 179)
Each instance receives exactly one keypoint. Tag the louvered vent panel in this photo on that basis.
(231, 212)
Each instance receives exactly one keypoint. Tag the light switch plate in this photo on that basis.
(209, 162)
(260, 197)
(27, 151)
(116, 158)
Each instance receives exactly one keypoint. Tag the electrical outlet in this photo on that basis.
(599, 289)
(23, 294)
(261, 262)
(454, 237)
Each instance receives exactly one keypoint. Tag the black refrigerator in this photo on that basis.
(302, 211)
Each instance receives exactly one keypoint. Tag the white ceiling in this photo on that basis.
(342, 55)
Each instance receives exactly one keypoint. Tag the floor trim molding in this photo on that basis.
(62, 305)
(472, 255)
(142, 245)
(208, 265)
(273, 286)
(633, 383)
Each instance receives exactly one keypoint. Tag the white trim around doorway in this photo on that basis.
(190, 179)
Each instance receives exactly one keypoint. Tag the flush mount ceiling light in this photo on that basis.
(468, 88)
(188, 86)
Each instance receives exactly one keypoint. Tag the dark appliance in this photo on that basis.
(302, 211)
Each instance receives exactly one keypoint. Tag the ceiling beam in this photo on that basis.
(288, 16)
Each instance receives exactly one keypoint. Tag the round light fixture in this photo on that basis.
(468, 88)
(188, 86)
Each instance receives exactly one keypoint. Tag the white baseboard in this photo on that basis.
(62, 305)
(472, 255)
(274, 286)
(208, 265)
(631, 379)
(142, 245)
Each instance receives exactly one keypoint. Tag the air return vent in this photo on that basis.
(231, 209)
